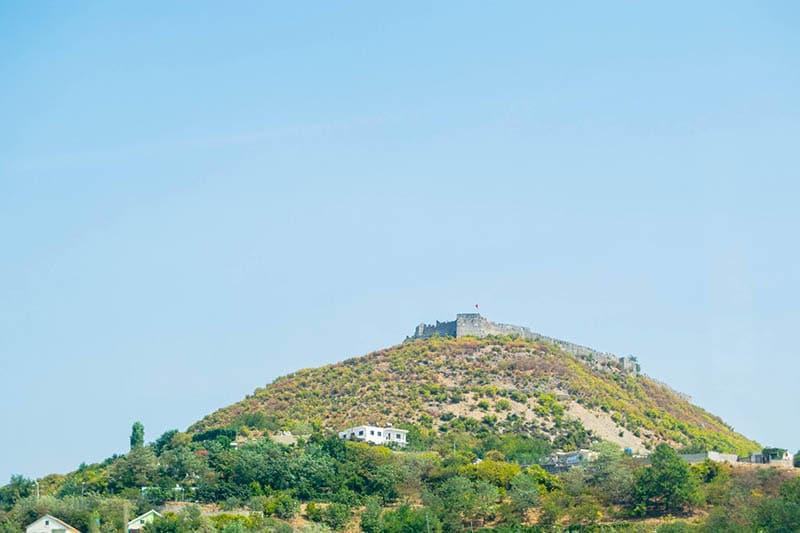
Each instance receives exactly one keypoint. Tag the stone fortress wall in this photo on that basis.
(442, 329)
(475, 325)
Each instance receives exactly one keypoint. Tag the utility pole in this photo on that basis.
(36, 482)
(125, 516)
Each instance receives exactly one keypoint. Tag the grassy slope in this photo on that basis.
(420, 380)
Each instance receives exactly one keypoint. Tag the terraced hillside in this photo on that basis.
(490, 384)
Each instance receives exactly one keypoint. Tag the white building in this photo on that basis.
(772, 457)
(376, 434)
(50, 524)
(138, 523)
(717, 457)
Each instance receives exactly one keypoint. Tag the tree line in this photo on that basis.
(459, 482)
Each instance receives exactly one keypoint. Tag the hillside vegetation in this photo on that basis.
(503, 384)
(483, 416)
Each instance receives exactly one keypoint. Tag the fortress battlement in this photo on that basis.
(475, 325)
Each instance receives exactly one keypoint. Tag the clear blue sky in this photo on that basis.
(196, 198)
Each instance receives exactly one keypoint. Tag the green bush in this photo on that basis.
(336, 515)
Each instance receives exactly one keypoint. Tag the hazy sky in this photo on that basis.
(197, 198)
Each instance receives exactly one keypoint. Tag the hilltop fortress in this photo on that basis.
(475, 325)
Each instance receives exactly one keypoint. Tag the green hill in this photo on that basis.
(483, 414)
(490, 384)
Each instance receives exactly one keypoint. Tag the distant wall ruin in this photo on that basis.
(475, 325)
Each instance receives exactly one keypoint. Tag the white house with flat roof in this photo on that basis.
(50, 524)
(376, 434)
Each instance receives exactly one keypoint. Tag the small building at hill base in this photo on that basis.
(770, 456)
(376, 434)
(287, 438)
(138, 523)
(717, 457)
(50, 524)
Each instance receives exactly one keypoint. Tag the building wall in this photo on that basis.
(376, 434)
(717, 457)
(47, 524)
(723, 457)
(138, 523)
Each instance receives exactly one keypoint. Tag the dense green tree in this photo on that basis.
(611, 476)
(384, 482)
(309, 474)
(485, 496)
(164, 441)
(414, 470)
(452, 501)
(516, 447)
(313, 512)
(8, 526)
(371, 516)
(404, 519)
(459, 500)
(282, 505)
(234, 527)
(135, 470)
(780, 513)
(336, 515)
(585, 510)
(553, 506)
(666, 486)
(137, 435)
(181, 465)
(19, 487)
(547, 482)
(524, 493)
(499, 473)
(722, 520)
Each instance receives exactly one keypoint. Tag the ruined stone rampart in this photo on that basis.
(442, 329)
(475, 325)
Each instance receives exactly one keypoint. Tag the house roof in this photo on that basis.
(141, 517)
(387, 427)
(51, 517)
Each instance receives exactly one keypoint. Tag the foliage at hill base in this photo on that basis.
(326, 484)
